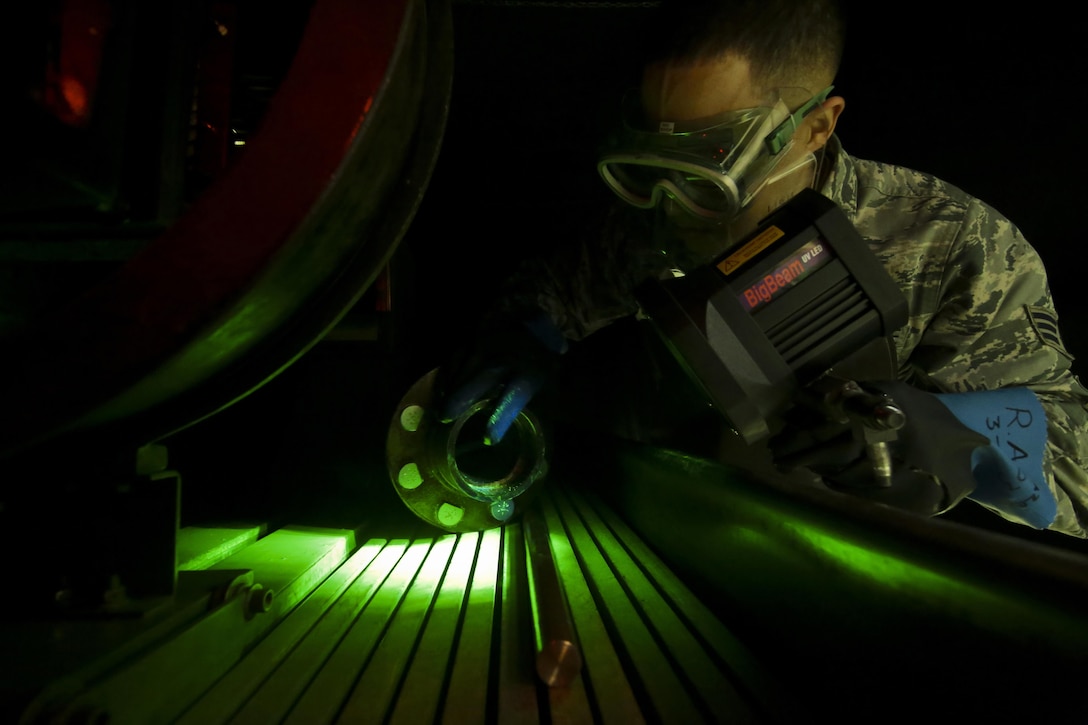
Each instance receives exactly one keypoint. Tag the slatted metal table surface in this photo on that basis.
(440, 628)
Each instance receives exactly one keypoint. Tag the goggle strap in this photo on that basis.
(778, 138)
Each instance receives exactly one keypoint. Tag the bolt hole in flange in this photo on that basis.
(446, 475)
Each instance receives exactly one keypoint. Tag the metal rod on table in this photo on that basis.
(558, 660)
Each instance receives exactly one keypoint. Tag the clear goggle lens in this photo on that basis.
(643, 185)
(641, 181)
(712, 168)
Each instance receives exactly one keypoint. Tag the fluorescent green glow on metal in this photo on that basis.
(375, 691)
(473, 657)
(538, 629)
(200, 547)
(220, 701)
(483, 581)
(916, 587)
(340, 542)
(409, 476)
(242, 328)
(759, 528)
(293, 560)
(430, 574)
(340, 671)
(326, 547)
(290, 679)
(793, 539)
(885, 568)
(449, 514)
(460, 568)
(430, 661)
(406, 569)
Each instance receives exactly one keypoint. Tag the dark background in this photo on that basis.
(985, 101)
(988, 102)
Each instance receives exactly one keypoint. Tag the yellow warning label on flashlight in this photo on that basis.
(756, 245)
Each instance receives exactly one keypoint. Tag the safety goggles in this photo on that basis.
(712, 169)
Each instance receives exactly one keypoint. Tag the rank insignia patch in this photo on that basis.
(1046, 326)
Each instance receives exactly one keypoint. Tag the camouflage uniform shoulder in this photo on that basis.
(981, 315)
(872, 191)
(933, 238)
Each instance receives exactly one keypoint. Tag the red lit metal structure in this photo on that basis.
(269, 256)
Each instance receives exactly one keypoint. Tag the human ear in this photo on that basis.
(820, 123)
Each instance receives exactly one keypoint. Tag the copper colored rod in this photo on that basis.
(558, 660)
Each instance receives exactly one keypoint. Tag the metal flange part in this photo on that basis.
(445, 474)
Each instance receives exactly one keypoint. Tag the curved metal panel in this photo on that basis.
(271, 255)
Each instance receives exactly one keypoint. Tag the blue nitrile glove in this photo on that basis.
(986, 445)
(507, 361)
(1009, 471)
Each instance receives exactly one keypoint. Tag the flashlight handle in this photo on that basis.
(874, 411)
(875, 418)
(881, 459)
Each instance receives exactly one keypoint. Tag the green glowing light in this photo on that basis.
(430, 661)
(876, 565)
(293, 560)
(200, 547)
(538, 628)
(824, 563)
(473, 656)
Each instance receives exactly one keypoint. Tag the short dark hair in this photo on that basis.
(783, 40)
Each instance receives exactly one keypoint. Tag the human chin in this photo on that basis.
(694, 246)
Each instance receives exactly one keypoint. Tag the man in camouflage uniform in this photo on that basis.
(980, 312)
(981, 319)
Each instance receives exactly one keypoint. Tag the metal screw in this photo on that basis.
(258, 600)
(502, 510)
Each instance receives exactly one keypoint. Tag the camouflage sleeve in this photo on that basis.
(994, 325)
(588, 281)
